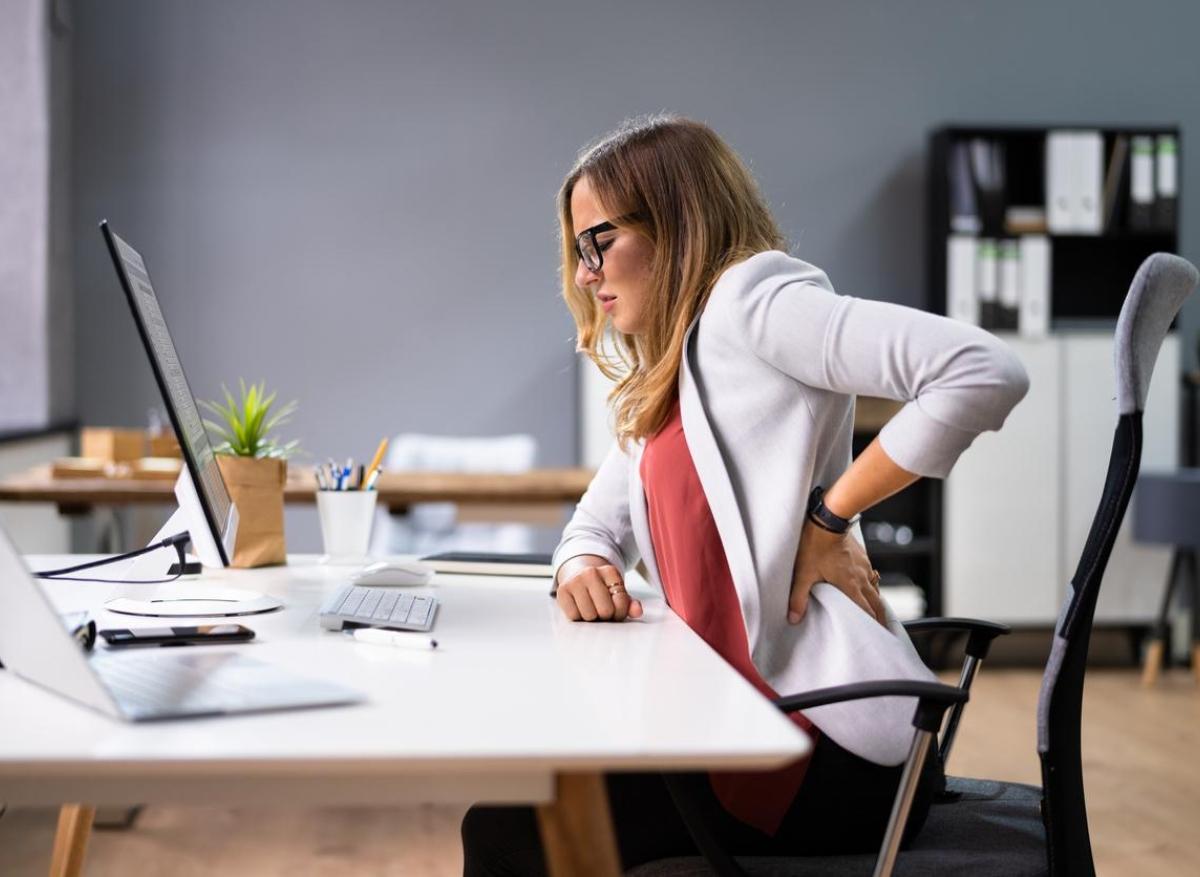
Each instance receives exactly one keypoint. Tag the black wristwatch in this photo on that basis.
(820, 514)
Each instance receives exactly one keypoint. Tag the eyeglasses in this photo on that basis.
(589, 250)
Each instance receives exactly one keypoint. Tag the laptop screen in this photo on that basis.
(168, 372)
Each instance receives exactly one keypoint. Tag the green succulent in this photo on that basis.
(248, 423)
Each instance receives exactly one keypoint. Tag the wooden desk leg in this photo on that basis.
(70, 843)
(577, 829)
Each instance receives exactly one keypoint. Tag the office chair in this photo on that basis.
(432, 527)
(983, 827)
(1165, 511)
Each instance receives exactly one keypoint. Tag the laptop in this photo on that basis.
(139, 685)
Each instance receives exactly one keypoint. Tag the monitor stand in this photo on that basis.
(186, 598)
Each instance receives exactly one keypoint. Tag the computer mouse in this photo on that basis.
(398, 573)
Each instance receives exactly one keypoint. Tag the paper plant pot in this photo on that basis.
(256, 486)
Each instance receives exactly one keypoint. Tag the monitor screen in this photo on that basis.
(168, 372)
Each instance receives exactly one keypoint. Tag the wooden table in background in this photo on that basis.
(397, 490)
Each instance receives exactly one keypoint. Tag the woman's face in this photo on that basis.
(622, 283)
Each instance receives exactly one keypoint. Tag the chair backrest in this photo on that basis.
(1159, 289)
(439, 453)
(431, 527)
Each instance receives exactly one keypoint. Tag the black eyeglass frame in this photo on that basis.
(590, 234)
(600, 228)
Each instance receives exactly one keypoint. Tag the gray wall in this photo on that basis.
(354, 200)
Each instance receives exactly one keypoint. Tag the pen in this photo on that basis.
(394, 638)
(372, 478)
(377, 460)
(321, 483)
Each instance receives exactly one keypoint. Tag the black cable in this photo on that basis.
(178, 541)
(112, 581)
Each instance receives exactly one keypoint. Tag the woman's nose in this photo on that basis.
(585, 277)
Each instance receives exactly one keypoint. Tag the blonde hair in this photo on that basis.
(675, 182)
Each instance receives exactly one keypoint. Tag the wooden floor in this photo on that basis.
(1141, 763)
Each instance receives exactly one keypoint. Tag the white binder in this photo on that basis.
(1088, 182)
(1166, 182)
(1167, 165)
(961, 300)
(1060, 177)
(1034, 313)
(1074, 182)
(1141, 183)
(1009, 272)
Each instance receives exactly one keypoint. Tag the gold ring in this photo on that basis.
(875, 577)
(616, 588)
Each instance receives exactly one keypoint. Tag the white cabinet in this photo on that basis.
(1136, 574)
(1000, 515)
(1019, 503)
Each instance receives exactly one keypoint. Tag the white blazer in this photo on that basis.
(766, 388)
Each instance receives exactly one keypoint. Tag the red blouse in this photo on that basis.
(699, 588)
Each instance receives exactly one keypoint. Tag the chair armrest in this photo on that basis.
(980, 633)
(933, 698)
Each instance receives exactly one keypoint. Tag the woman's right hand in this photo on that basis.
(595, 591)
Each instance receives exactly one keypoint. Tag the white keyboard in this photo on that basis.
(358, 605)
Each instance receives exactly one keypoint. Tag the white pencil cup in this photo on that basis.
(346, 518)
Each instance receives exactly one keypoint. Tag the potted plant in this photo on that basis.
(254, 465)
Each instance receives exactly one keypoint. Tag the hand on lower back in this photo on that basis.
(839, 559)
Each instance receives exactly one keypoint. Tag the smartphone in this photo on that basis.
(205, 634)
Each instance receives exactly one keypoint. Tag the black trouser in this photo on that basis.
(842, 807)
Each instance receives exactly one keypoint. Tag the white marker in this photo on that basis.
(395, 638)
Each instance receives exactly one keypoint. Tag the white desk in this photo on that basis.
(515, 703)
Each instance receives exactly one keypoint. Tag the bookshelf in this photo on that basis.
(1016, 182)
(1072, 196)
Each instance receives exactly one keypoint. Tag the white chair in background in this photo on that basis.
(428, 528)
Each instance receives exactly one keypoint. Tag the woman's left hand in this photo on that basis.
(839, 559)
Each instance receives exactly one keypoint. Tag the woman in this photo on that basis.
(736, 368)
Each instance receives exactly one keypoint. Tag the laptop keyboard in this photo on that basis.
(357, 605)
(153, 685)
(146, 684)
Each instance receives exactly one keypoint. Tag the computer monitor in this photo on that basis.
(185, 417)
(206, 510)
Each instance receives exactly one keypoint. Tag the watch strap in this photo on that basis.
(820, 514)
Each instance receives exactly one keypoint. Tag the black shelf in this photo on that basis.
(1089, 273)
(1089, 277)
(922, 547)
